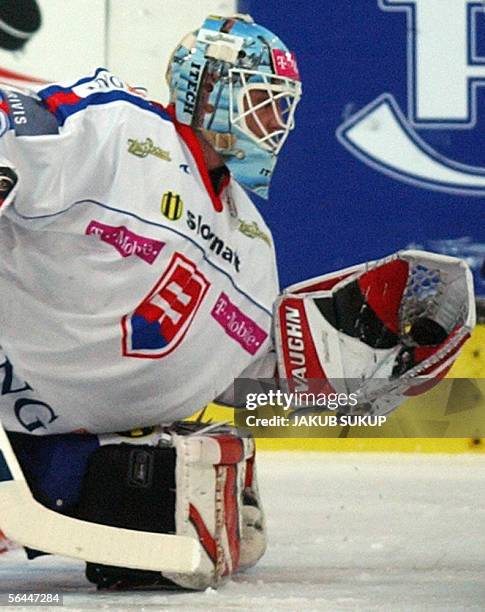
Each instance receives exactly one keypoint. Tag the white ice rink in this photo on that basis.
(346, 532)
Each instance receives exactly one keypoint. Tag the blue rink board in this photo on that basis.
(328, 209)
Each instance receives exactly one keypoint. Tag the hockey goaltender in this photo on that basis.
(138, 281)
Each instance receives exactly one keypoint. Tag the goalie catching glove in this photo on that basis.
(382, 330)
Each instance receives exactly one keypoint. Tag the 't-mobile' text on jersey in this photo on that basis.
(131, 293)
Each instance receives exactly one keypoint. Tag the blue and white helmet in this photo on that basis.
(222, 79)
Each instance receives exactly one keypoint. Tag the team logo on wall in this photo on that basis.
(172, 206)
(159, 323)
(442, 84)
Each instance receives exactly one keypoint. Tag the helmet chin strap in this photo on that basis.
(213, 156)
(223, 143)
(240, 160)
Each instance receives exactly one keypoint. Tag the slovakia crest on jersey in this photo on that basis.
(159, 323)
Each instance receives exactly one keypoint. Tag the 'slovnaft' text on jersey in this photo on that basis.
(131, 293)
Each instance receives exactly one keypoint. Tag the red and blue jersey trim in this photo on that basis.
(63, 102)
(5, 118)
(4, 107)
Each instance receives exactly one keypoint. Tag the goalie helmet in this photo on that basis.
(223, 79)
(383, 330)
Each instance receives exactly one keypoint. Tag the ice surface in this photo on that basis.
(390, 532)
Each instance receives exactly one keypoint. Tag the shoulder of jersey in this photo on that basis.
(45, 111)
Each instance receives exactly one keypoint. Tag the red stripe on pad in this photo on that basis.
(231, 448)
(232, 516)
(205, 537)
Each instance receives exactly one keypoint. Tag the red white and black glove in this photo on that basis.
(384, 330)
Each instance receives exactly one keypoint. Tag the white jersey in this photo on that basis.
(131, 294)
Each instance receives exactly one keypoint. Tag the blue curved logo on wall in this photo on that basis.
(445, 71)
